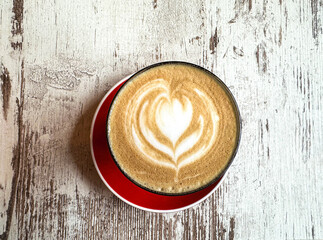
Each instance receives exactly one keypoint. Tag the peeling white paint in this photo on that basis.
(73, 51)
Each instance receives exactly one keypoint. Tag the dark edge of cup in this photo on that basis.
(236, 109)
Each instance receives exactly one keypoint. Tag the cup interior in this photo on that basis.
(237, 113)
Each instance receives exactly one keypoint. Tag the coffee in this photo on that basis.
(173, 128)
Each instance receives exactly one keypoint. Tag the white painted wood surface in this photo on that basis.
(58, 58)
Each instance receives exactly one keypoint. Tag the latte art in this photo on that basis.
(186, 121)
(173, 128)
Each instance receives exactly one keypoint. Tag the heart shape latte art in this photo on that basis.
(171, 126)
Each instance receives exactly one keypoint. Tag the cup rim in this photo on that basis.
(236, 110)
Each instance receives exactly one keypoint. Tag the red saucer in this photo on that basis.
(119, 184)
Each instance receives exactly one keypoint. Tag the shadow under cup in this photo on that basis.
(214, 181)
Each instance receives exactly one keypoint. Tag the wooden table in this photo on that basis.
(59, 58)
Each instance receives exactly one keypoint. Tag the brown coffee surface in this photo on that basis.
(173, 128)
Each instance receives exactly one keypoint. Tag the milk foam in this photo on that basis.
(171, 127)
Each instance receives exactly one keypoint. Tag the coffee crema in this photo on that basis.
(173, 128)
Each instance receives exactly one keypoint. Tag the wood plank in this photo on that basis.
(60, 57)
(11, 101)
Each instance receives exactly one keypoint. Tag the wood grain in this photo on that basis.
(59, 58)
